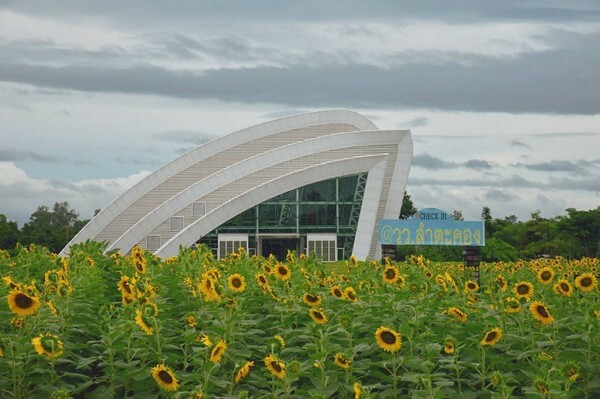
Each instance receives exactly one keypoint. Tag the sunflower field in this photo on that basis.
(192, 326)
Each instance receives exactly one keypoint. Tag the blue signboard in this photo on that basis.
(431, 226)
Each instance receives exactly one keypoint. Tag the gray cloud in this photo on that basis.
(516, 87)
(19, 107)
(564, 135)
(138, 161)
(514, 181)
(416, 122)
(517, 143)
(477, 164)
(184, 136)
(426, 161)
(191, 13)
(579, 167)
(16, 155)
(183, 150)
(499, 195)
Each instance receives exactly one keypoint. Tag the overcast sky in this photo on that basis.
(502, 97)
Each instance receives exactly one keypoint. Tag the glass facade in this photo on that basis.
(283, 222)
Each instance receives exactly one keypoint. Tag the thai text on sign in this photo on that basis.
(431, 226)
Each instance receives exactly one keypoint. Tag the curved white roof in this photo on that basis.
(235, 172)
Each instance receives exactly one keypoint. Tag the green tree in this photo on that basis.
(408, 209)
(457, 215)
(9, 233)
(584, 226)
(51, 228)
(486, 216)
(497, 250)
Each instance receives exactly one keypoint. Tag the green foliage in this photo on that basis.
(408, 209)
(107, 354)
(9, 233)
(52, 228)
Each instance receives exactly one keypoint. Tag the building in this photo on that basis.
(316, 182)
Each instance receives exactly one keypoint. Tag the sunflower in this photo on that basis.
(208, 288)
(281, 341)
(541, 312)
(563, 287)
(458, 314)
(388, 339)
(237, 282)
(17, 323)
(492, 337)
(126, 286)
(350, 294)
(439, 279)
(495, 378)
(450, 279)
(390, 274)
(243, 371)
(572, 371)
(263, 282)
(450, 346)
(22, 304)
(196, 394)
(64, 288)
(342, 361)
(336, 291)
(12, 284)
(275, 366)
(541, 386)
(165, 378)
(357, 387)
(512, 305)
(545, 275)
(140, 321)
(318, 316)
(205, 339)
(311, 299)
(524, 289)
(52, 308)
(267, 268)
(283, 272)
(217, 352)
(501, 282)
(48, 344)
(139, 260)
(471, 286)
(191, 320)
(586, 282)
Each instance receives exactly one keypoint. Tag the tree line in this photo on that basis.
(574, 235)
(49, 227)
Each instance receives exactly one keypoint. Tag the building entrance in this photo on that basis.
(278, 246)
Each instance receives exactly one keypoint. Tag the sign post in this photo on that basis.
(471, 259)
(432, 226)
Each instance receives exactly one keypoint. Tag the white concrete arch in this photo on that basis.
(197, 155)
(270, 189)
(237, 171)
(256, 164)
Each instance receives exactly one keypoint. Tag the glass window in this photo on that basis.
(152, 243)
(198, 209)
(176, 223)
(322, 246)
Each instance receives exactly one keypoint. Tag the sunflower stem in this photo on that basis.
(395, 375)
(458, 382)
(482, 368)
(157, 338)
